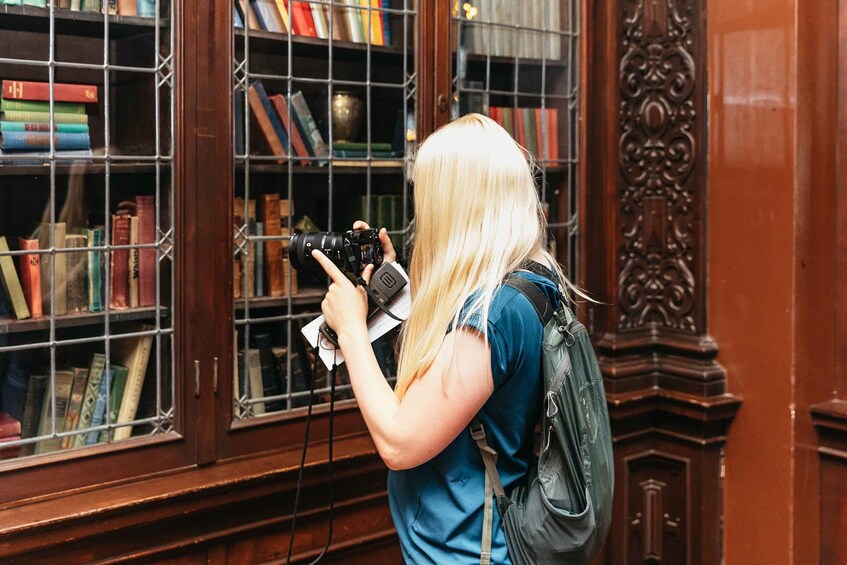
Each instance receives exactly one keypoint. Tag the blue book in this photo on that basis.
(41, 140)
(15, 385)
(236, 16)
(94, 279)
(146, 8)
(386, 27)
(272, 114)
(99, 408)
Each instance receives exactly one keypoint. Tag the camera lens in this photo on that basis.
(301, 245)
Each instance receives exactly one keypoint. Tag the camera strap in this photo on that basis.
(376, 301)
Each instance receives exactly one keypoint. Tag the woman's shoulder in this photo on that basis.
(509, 303)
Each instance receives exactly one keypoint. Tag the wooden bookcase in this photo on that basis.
(175, 114)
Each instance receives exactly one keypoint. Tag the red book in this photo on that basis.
(552, 133)
(9, 426)
(31, 277)
(539, 135)
(146, 209)
(27, 90)
(9, 452)
(301, 14)
(496, 114)
(278, 100)
(119, 265)
(519, 127)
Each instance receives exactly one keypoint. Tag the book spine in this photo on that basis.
(31, 276)
(90, 5)
(308, 125)
(64, 382)
(252, 21)
(236, 16)
(261, 15)
(95, 375)
(297, 144)
(44, 117)
(553, 133)
(520, 130)
(41, 106)
(32, 410)
(77, 291)
(61, 128)
(15, 386)
(75, 5)
(146, 8)
(529, 130)
(283, 13)
(260, 261)
(75, 405)
(377, 35)
(127, 7)
(270, 383)
(238, 120)
(39, 140)
(9, 425)
(99, 413)
(95, 288)
(36, 3)
(60, 260)
(62, 92)
(250, 259)
(146, 209)
(354, 22)
(265, 123)
(109, 6)
(132, 266)
(254, 376)
(116, 395)
(273, 247)
(11, 283)
(135, 383)
(339, 24)
(272, 116)
(386, 22)
(319, 18)
(119, 264)
(540, 135)
(309, 22)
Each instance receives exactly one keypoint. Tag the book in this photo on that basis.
(98, 414)
(554, 40)
(237, 21)
(278, 101)
(520, 129)
(354, 21)
(77, 274)
(273, 247)
(134, 354)
(62, 92)
(128, 7)
(268, 16)
(54, 270)
(308, 128)
(132, 266)
(269, 383)
(119, 264)
(37, 157)
(361, 146)
(36, 385)
(62, 384)
(301, 18)
(41, 106)
(508, 120)
(30, 267)
(339, 23)
(15, 386)
(28, 126)
(11, 283)
(552, 117)
(74, 404)
(250, 263)
(259, 273)
(146, 8)
(372, 21)
(246, 215)
(540, 134)
(41, 140)
(249, 14)
(238, 120)
(89, 399)
(116, 396)
(319, 19)
(283, 13)
(109, 6)
(254, 379)
(268, 120)
(146, 210)
(386, 22)
(95, 285)
(529, 132)
(44, 117)
(9, 425)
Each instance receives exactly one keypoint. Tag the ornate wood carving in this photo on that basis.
(660, 174)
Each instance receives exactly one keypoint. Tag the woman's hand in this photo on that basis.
(345, 306)
(388, 252)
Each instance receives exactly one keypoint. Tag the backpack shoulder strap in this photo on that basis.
(493, 485)
(536, 297)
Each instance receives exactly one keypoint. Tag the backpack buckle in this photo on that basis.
(477, 431)
(563, 325)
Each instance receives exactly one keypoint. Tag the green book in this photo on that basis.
(530, 131)
(75, 404)
(384, 212)
(360, 146)
(90, 5)
(41, 106)
(36, 3)
(11, 283)
(64, 381)
(12, 2)
(116, 396)
(60, 128)
(36, 385)
(95, 290)
(44, 117)
(95, 375)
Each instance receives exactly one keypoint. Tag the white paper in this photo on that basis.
(379, 325)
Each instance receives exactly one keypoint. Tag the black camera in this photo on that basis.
(351, 251)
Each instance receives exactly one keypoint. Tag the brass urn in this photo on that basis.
(348, 111)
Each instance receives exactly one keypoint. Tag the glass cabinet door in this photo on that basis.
(324, 100)
(86, 227)
(518, 63)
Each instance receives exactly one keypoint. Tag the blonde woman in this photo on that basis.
(471, 346)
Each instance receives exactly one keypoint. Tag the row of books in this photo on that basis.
(262, 266)
(526, 126)
(358, 21)
(25, 118)
(144, 8)
(78, 275)
(503, 39)
(79, 395)
(271, 113)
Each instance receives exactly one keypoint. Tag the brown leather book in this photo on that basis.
(273, 248)
(265, 125)
(30, 266)
(119, 265)
(146, 210)
(77, 277)
(278, 100)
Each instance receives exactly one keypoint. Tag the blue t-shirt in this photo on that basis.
(437, 507)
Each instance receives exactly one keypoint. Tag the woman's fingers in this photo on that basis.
(387, 246)
(360, 225)
(334, 272)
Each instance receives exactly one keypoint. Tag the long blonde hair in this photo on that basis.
(478, 217)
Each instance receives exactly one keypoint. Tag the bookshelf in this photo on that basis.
(174, 122)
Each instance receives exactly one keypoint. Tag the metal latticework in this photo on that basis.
(518, 63)
(324, 97)
(86, 333)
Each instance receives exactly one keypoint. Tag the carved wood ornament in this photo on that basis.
(658, 158)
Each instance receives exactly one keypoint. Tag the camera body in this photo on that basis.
(351, 251)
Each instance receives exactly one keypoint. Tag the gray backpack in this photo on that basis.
(563, 510)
